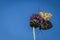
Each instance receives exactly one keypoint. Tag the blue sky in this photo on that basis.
(15, 15)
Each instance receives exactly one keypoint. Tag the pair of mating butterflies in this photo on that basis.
(41, 20)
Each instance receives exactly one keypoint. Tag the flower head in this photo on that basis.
(45, 15)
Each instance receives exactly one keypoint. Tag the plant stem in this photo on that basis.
(34, 36)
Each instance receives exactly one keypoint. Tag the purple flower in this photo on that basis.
(36, 16)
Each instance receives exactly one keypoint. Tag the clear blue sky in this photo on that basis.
(14, 19)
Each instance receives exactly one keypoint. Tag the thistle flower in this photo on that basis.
(35, 19)
(40, 20)
(45, 15)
